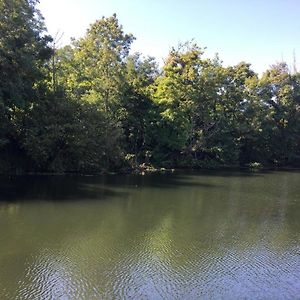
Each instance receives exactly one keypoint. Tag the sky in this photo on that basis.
(260, 32)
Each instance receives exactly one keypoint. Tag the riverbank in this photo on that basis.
(144, 169)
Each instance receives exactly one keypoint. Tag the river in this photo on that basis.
(204, 235)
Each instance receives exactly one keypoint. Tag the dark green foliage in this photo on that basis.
(137, 107)
(23, 51)
(23, 54)
(73, 137)
(108, 110)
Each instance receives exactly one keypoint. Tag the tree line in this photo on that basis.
(92, 106)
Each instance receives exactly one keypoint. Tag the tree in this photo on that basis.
(99, 61)
(62, 135)
(279, 92)
(23, 51)
(91, 74)
(175, 95)
(232, 109)
(137, 106)
(94, 107)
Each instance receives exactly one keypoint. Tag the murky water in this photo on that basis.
(185, 236)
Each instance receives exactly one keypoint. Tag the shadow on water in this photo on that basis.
(53, 188)
(78, 188)
(163, 181)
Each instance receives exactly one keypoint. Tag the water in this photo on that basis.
(186, 236)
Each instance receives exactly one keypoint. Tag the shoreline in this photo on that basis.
(153, 170)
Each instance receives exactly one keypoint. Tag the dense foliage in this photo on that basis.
(91, 106)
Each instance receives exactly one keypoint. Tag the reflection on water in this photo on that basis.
(191, 236)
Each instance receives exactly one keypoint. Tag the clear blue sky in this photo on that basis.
(260, 32)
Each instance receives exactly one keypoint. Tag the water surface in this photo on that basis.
(206, 235)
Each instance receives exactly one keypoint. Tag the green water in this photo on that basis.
(179, 236)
